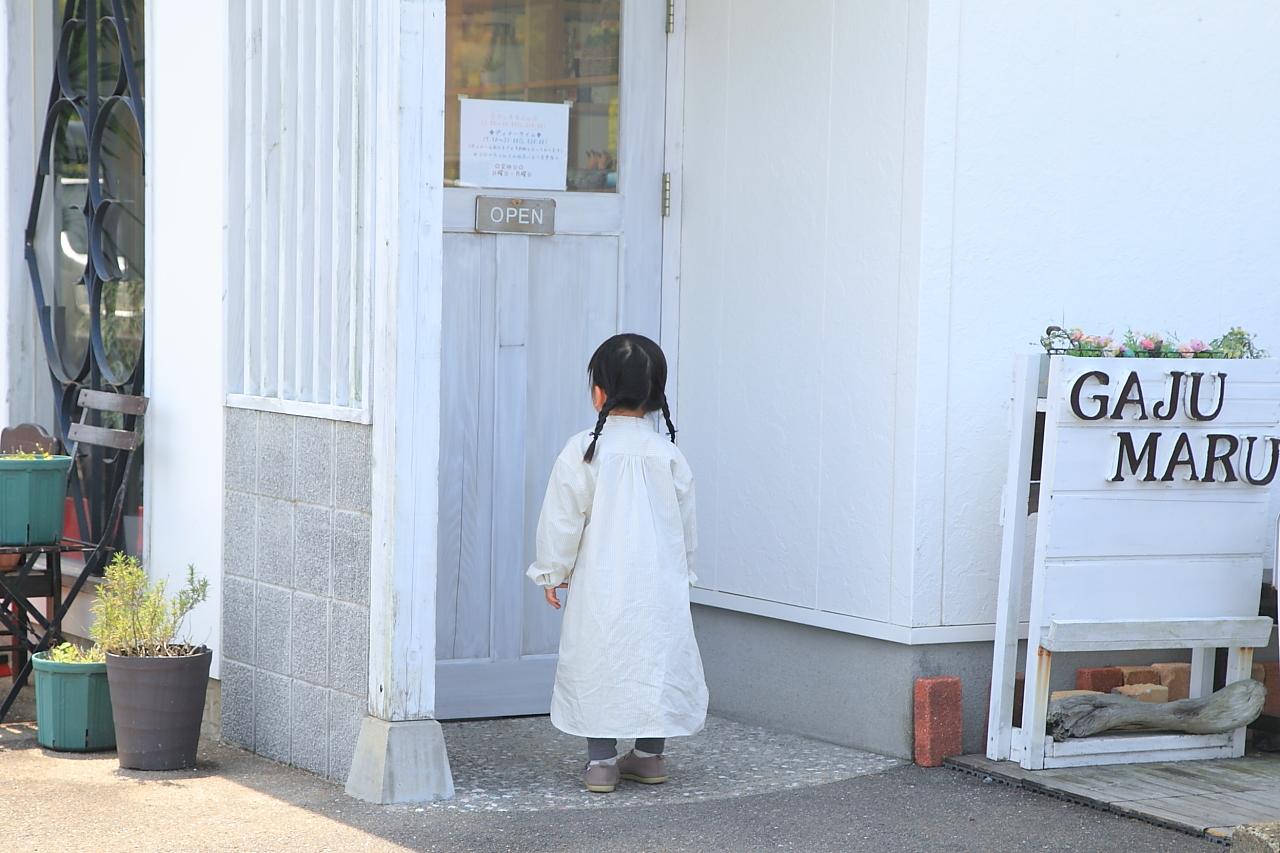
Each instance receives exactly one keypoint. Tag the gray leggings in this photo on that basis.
(601, 748)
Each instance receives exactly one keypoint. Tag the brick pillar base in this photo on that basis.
(939, 719)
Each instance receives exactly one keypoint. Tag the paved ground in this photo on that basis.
(237, 801)
(1211, 797)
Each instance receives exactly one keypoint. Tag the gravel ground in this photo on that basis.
(524, 764)
(238, 801)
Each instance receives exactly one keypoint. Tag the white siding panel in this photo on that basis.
(859, 310)
(791, 224)
(299, 308)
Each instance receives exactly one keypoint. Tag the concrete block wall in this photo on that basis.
(295, 612)
(858, 691)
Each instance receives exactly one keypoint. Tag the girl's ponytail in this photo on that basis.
(595, 433)
(666, 416)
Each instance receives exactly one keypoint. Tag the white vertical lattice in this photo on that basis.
(296, 301)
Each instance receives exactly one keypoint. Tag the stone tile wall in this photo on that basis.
(295, 608)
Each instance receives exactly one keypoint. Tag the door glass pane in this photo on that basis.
(542, 51)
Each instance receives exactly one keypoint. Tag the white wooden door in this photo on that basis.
(522, 315)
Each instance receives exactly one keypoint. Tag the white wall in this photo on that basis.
(1114, 164)
(790, 326)
(884, 202)
(186, 133)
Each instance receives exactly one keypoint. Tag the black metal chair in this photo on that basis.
(31, 629)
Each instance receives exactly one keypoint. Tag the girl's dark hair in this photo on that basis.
(632, 372)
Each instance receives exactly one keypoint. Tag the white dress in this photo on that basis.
(620, 529)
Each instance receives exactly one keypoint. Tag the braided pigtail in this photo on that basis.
(666, 416)
(595, 433)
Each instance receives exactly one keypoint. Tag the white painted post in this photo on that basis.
(1035, 695)
(1026, 382)
(1239, 667)
(400, 755)
(1202, 661)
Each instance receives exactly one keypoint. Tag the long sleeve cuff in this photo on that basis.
(548, 575)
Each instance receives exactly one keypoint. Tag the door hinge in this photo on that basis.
(671, 16)
(666, 193)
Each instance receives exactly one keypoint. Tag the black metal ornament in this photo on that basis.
(97, 85)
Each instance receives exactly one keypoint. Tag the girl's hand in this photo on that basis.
(550, 593)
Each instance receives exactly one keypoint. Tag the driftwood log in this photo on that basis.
(1233, 706)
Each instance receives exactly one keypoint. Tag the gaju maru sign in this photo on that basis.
(1151, 528)
(1154, 498)
(1184, 397)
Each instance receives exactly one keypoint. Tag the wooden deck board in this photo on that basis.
(1200, 797)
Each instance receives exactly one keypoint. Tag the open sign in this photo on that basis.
(515, 215)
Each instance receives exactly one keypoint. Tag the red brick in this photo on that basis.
(1272, 680)
(1139, 675)
(939, 719)
(1175, 676)
(1103, 679)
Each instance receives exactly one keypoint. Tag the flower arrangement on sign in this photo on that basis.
(1236, 343)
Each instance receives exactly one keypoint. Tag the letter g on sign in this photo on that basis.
(1101, 399)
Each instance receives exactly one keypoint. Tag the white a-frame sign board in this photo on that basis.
(1153, 517)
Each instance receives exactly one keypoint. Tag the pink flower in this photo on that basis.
(1186, 351)
(1077, 335)
(1198, 345)
(1147, 344)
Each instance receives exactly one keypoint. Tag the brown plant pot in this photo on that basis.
(158, 705)
(10, 561)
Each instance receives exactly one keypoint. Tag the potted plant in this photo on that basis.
(157, 681)
(33, 488)
(73, 704)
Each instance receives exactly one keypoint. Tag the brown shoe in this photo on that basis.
(650, 770)
(601, 778)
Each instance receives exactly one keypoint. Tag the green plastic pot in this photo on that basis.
(32, 495)
(73, 706)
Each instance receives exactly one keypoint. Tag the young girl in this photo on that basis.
(617, 529)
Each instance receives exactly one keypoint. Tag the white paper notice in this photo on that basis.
(514, 145)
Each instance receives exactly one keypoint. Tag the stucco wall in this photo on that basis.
(1114, 166)
(790, 322)
(182, 479)
(879, 216)
(295, 621)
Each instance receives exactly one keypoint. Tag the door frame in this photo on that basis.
(495, 690)
(673, 165)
